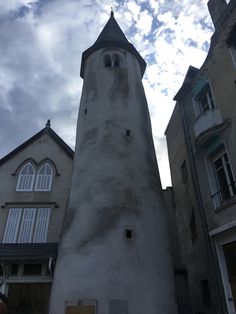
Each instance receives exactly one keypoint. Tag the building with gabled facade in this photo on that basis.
(35, 180)
(203, 168)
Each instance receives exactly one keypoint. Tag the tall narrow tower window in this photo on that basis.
(116, 61)
(107, 61)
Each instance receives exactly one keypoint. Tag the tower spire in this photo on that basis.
(112, 36)
(112, 12)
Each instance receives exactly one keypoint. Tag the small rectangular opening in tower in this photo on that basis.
(129, 233)
(85, 110)
(128, 132)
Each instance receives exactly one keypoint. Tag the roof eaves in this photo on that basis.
(190, 75)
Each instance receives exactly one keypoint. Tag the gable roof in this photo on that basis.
(46, 130)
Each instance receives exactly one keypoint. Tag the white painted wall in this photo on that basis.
(115, 186)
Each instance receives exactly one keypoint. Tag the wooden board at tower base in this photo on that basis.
(80, 309)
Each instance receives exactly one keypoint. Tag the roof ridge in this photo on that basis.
(46, 130)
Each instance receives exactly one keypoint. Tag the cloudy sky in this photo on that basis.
(41, 42)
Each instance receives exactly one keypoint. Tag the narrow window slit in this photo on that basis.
(116, 63)
(85, 111)
(107, 61)
(128, 131)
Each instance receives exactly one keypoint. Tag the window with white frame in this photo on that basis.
(27, 225)
(222, 177)
(204, 99)
(26, 177)
(29, 179)
(44, 178)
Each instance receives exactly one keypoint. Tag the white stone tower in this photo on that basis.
(114, 256)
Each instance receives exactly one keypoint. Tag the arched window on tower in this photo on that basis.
(116, 61)
(44, 178)
(26, 178)
(107, 61)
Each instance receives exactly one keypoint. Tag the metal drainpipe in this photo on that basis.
(200, 203)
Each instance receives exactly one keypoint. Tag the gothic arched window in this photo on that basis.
(44, 178)
(26, 178)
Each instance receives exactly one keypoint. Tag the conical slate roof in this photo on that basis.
(112, 36)
(112, 32)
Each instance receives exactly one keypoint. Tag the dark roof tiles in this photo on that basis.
(112, 36)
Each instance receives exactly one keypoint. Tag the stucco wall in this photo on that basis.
(42, 148)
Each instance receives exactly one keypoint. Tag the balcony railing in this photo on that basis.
(225, 194)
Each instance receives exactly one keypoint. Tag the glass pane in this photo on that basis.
(218, 164)
(41, 228)
(30, 169)
(12, 226)
(225, 157)
(48, 170)
(26, 178)
(14, 269)
(232, 183)
(44, 178)
(223, 184)
(205, 99)
(32, 269)
(27, 224)
(203, 102)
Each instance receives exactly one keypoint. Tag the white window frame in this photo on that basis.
(213, 180)
(12, 225)
(45, 177)
(226, 172)
(211, 105)
(25, 177)
(27, 225)
(41, 226)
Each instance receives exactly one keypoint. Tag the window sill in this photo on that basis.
(28, 204)
(226, 204)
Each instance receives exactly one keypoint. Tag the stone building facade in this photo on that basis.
(203, 168)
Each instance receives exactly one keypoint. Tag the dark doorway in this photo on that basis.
(27, 298)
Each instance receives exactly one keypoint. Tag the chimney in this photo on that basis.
(216, 9)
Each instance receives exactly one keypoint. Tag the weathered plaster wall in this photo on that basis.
(115, 186)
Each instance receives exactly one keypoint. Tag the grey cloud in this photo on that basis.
(190, 42)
